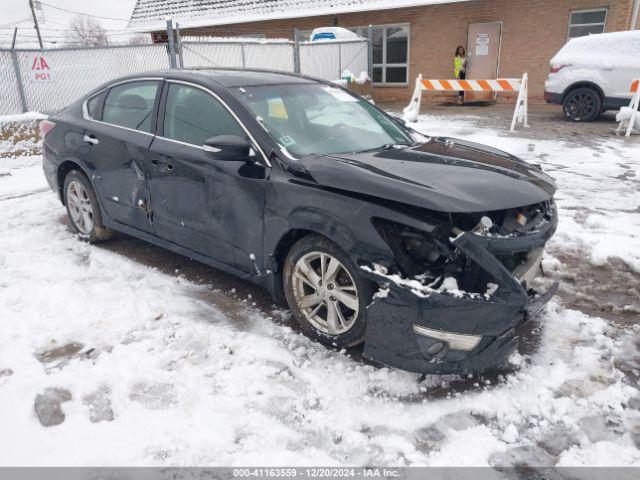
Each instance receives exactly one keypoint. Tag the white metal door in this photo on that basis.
(483, 55)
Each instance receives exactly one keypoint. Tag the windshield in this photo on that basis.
(320, 119)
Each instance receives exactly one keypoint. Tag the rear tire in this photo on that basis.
(582, 105)
(326, 293)
(83, 208)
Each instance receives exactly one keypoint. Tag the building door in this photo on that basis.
(483, 55)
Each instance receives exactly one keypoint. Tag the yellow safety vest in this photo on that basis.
(457, 66)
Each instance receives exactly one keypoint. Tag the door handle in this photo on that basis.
(91, 139)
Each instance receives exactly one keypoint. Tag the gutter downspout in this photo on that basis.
(634, 15)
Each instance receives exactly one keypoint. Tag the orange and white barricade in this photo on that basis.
(513, 85)
(628, 116)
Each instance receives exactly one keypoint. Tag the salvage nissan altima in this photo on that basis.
(422, 248)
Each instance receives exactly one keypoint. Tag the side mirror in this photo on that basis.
(228, 148)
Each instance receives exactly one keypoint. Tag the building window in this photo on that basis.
(391, 54)
(587, 22)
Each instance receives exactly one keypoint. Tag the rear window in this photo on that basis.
(94, 106)
(130, 105)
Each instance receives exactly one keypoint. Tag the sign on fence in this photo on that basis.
(40, 70)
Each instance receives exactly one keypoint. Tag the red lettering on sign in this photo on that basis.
(39, 63)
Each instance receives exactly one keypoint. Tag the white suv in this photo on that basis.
(594, 73)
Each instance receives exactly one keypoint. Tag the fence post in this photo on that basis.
(179, 46)
(370, 52)
(172, 47)
(296, 50)
(16, 70)
(244, 60)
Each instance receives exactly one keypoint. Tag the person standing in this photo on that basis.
(460, 69)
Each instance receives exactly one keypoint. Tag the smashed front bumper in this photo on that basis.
(444, 333)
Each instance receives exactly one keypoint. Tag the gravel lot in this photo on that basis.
(125, 354)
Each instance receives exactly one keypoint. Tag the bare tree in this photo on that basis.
(86, 31)
(140, 40)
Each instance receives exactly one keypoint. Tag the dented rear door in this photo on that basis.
(117, 145)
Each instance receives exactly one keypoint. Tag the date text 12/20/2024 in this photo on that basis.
(317, 472)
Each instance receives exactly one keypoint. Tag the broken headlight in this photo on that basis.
(417, 252)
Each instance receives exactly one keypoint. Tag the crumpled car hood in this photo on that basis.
(443, 174)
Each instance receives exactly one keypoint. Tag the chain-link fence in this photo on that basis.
(328, 60)
(47, 80)
(272, 56)
(9, 89)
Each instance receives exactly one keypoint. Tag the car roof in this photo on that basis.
(232, 77)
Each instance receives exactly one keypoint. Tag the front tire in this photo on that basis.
(83, 208)
(325, 292)
(582, 105)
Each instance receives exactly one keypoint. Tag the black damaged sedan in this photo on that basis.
(422, 248)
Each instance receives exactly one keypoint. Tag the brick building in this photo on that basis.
(504, 38)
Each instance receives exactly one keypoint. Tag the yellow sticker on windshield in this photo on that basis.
(277, 108)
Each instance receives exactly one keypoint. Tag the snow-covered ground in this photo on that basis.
(139, 367)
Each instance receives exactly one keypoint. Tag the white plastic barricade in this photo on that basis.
(629, 116)
(512, 85)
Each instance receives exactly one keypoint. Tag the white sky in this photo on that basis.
(55, 21)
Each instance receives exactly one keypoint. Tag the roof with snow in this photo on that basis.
(151, 15)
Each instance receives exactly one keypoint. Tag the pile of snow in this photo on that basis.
(419, 287)
(22, 117)
(604, 50)
(18, 139)
(625, 115)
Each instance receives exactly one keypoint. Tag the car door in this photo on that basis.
(118, 134)
(212, 207)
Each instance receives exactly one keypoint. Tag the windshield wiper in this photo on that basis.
(386, 146)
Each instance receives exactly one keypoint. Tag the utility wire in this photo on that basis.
(10, 25)
(84, 14)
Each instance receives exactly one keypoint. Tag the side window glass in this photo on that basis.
(193, 115)
(94, 106)
(131, 105)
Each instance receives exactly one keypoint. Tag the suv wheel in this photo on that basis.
(326, 294)
(83, 209)
(582, 105)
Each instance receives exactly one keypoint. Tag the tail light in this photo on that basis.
(46, 126)
(557, 68)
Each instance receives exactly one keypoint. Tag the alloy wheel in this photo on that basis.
(581, 105)
(325, 293)
(80, 207)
